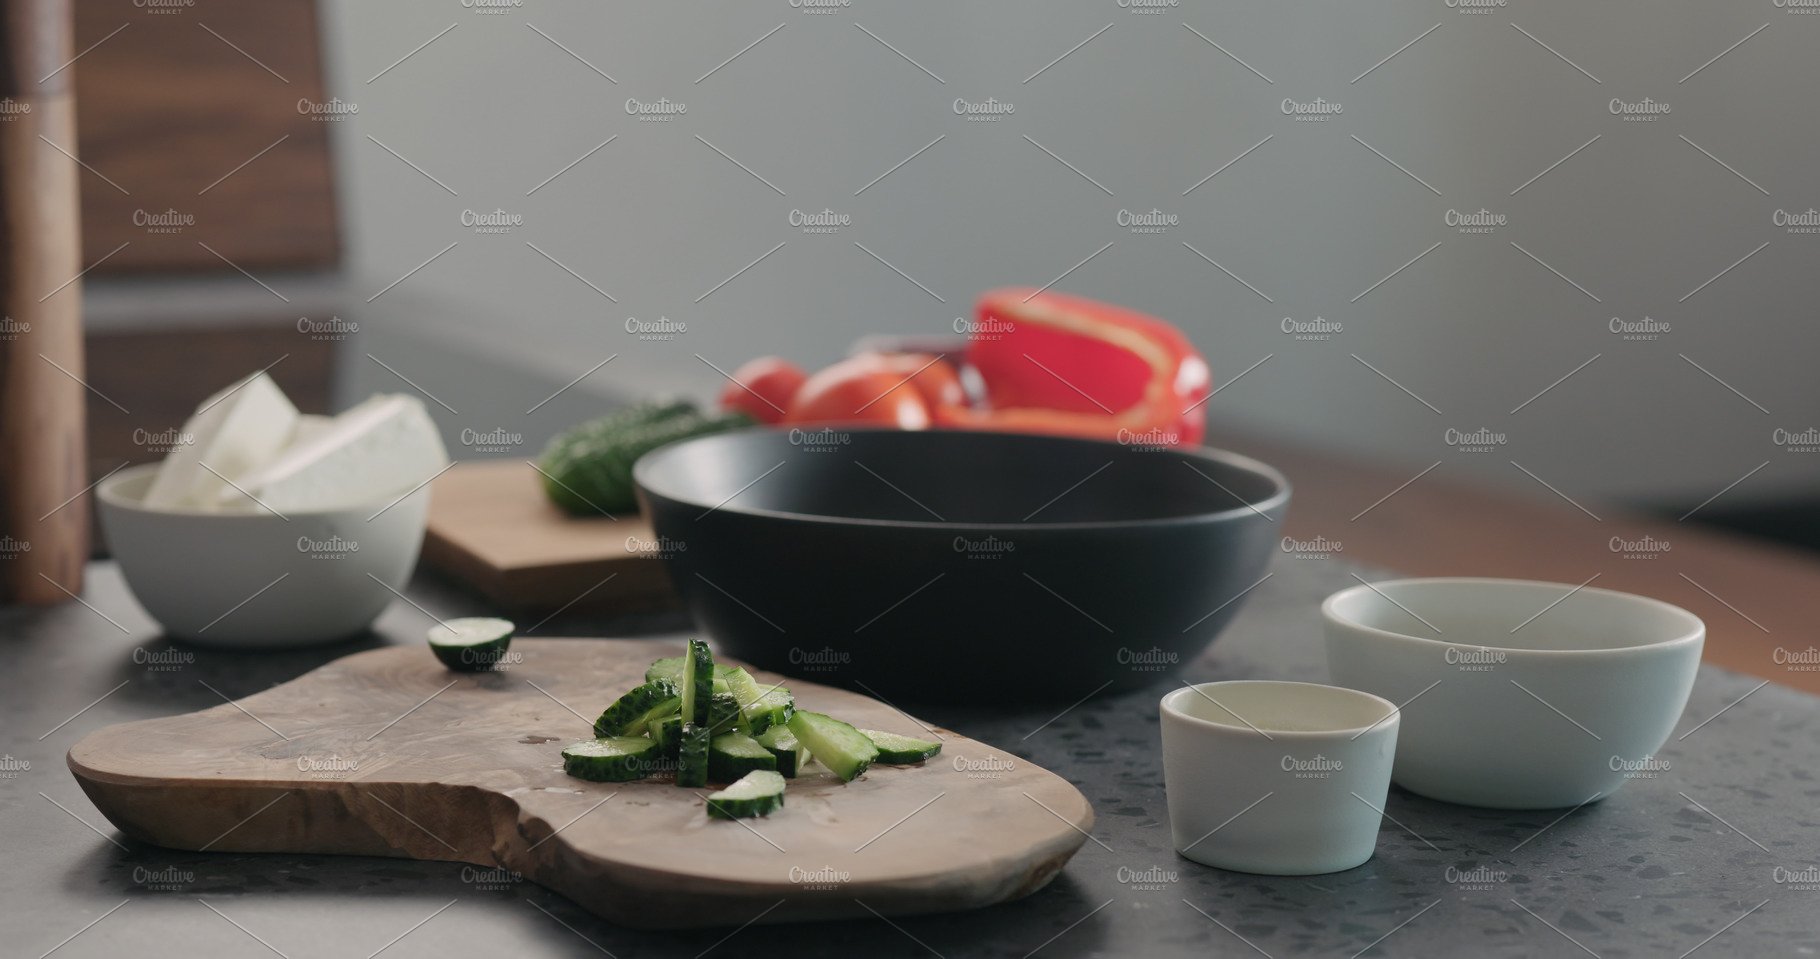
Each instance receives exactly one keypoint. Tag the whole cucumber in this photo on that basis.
(587, 471)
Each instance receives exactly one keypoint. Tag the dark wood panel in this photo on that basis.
(167, 107)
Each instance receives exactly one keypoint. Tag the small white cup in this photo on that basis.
(1277, 778)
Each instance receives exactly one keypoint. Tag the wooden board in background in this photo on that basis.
(492, 530)
(364, 756)
(166, 107)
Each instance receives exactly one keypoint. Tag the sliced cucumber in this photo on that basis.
(790, 753)
(611, 760)
(732, 755)
(471, 643)
(632, 713)
(839, 746)
(671, 668)
(895, 750)
(667, 734)
(723, 714)
(757, 793)
(697, 684)
(692, 756)
(760, 707)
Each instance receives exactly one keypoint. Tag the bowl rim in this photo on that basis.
(108, 493)
(1393, 716)
(1187, 454)
(1694, 631)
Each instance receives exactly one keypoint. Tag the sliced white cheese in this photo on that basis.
(231, 434)
(378, 450)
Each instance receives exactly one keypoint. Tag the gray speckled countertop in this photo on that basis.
(1646, 872)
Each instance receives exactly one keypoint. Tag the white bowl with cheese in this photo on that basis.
(257, 578)
(267, 527)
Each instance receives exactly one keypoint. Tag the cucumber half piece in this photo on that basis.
(614, 759)
(839, 746)
(895, 750)
(760, 707)
(732, 755)
(633, 713)
(757, 793)
(697, 684)
(471, 643)
(790, 753)
(692, 756)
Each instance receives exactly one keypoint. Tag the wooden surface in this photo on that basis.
(1755, 597)
(493, 530)
(43, 535)
(345, 760)
(168, 107)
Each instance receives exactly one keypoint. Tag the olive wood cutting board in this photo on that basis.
(492, 529)
(386, 753)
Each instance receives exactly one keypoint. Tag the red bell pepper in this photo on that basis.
(1053, 363)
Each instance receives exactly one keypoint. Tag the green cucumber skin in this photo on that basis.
(698, 682)
(723, 714)
(473, 658)
(628, 766)
(671, 668)
(631, 713)
(790, 753)
(667, 734)
(897, 750)
(588, 470)
(692, 756)
(758, 793)
(732, 755)
(839, 746)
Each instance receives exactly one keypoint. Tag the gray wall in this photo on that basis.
(1475, 109)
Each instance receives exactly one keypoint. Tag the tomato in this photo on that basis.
(763, 388)
(860, 390)
(933, 377)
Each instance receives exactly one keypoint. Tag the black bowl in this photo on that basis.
(948, 565)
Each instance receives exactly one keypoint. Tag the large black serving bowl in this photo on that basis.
(947, 565)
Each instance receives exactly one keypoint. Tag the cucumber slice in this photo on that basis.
(732, 755)
(790, 753)
(723, 715)
(895, 750)
(757, 793)
(667, 734)
(692, 756)
(614, 759)
(671, 668)
(471, 643)
(839, 746)
(697, 684)
(632, 713)
(761, 707)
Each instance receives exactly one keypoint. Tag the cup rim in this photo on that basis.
(107, 490)
(1694, 627)
(1393, 715)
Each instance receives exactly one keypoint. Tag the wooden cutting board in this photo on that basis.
(386, 753)
(492, 529)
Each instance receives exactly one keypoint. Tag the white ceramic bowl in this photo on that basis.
(257, 579)
(1285, 779)
(1516, 694)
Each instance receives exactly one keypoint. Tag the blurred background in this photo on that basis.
(1578, 229)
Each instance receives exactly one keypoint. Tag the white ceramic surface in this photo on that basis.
(1284, 779)
(1516, 694)
(256, 579)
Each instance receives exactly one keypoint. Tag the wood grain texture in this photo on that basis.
(492, 529)
(169, 107)
(1755, 597)
(474, 775)
(43, 458)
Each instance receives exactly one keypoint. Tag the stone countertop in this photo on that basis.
(1645, 872)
